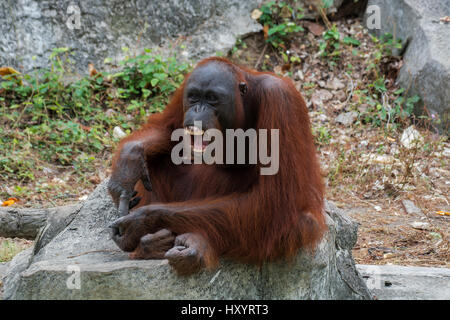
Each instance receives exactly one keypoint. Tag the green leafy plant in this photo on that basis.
(10, 247)
(384, 108)
(238, 45)
(322, 135)
(280, 21)
(351, 41)
(149, 76)
(387, 105)
(384, 50)
(45, 118)
(331, 44)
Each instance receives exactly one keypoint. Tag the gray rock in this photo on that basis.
(3, 266)
(58, 219)
(51, 271)
(12, 276)
(411, 208)
(98, 29)
(320, 96)
(420, 225)
(347, 118)
(407, 283)
(426, 69)
(118, 133)
(335, 84)
(411, 138)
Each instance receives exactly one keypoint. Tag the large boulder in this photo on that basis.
(426, 68)
(81, 262)
(98, 29)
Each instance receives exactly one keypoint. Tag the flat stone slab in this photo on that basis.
(407, 283)
(78, 260)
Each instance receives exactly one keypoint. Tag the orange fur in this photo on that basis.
(242, 214)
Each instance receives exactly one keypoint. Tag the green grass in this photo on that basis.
(10, 247)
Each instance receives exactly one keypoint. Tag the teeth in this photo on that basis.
(193, 131)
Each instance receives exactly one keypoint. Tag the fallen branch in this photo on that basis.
(26, 223)
(323, 15)
(22, 223)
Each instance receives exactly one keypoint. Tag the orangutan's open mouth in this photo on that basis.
(198, 142)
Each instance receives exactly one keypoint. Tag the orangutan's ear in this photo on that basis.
(243, 88)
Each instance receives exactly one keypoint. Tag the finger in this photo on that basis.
(115, 235)
(146, 182)
(113, 232)
(171, 255)
(148, 238)
(114, 191)
(145, 177)
(124, 205)
(192, 252)
(169, 240)
(134, 202)
(113, 225)
(174, 252)
(116, 224)
(181, 240)
(163, 233)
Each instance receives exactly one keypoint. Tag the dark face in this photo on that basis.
(209, 97)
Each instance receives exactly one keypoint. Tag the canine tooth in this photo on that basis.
(193, 131)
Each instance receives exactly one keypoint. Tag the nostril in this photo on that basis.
(199, 108)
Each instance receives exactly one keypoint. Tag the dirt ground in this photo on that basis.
(367, 171)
